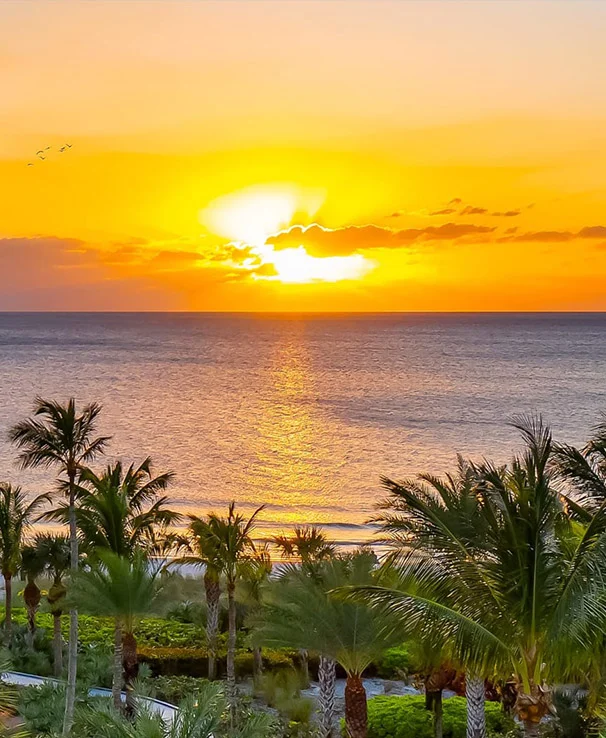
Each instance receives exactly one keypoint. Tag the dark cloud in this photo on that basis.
(506, 214)
(455, 201)
(473, 210)
(592, 232)
(542, 237)
(511, 230)
(445, 211)
(319, 241)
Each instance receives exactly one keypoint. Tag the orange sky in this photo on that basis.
(311, 155)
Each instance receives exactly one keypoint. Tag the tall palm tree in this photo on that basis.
(122, 510)
(423, 517)
(124, 589)
(32, 566)
(534, 593)
(308, 545)
(232, 536)
(59, 436)
(305, 611)
(204, 550)
(251, 593)
(55, 552)
(16, 516)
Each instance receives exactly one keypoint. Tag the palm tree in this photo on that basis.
(122, 510)
(423, 516)
(235, 547)
(55, 552)
(253, 584)
(58, 436)
(199, 716)
(532, 594)
(124, 589)
(305, 612)
(16, 516)
(32, 566)
(205, 551)
(308, 545)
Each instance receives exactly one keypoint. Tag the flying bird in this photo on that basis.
(30, 164)
(48, 147)
(69, 146)
(41, 151)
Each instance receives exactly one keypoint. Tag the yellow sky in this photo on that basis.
(310, 155)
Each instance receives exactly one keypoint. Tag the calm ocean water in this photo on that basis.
(303, 413)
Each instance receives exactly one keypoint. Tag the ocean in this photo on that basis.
(303, 413)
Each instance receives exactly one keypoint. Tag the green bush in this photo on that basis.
(193, 662)
(406, 717)
(165, 661)
(395, 663)
(175, 689)
(95, 630)
(42, 707)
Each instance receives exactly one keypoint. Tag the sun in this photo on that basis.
(296, 266)
(250, 216)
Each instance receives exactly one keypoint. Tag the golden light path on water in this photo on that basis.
(302, 413)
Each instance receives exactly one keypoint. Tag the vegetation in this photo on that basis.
(407, 717)
(493, 586)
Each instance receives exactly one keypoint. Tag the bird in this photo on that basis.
(41, 151)
(62, 149)
(48, 147)
(69, 146)
(30, 164)
(42, 158)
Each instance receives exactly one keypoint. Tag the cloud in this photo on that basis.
(444, 211)
(555, 236)
(320, 241)
(592, 232)
(511, 230)
(472, 210)
(506, 214)
(455, 201)
(542, 237)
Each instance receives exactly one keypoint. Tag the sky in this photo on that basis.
(295, 155)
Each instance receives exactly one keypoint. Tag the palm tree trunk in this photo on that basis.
(130, 664)
(438, 714)
(531, 707)
(8, 607)
(31, 596)
(356, 709)
(476, 714)
(257, 662)
(72, 658)
(212, 589)
(117, 671)
(57, 646)
(327, 678)
(304, 656)
(231, 647)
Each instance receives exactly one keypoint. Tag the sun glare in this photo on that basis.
(296, 266)
(249, 217)
(254, 213)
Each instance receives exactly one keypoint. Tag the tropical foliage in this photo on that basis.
(492, 583)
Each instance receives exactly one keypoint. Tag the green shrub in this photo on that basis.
(406, 717)
(94, 630)
(175, 688)
(42, 707)
(395, 663)
(165, 661)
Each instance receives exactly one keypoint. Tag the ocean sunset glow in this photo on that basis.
(303, 368)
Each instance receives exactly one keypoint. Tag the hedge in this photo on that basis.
(406, 717)
(193, 662)
(93, 630)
